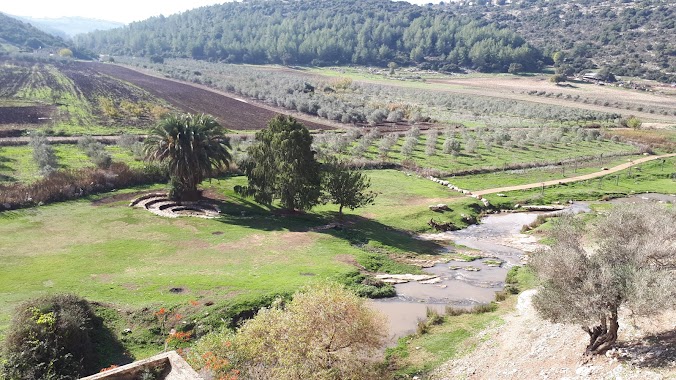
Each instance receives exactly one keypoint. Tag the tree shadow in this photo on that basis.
(3, 166)
(108, 349)
(652, 351)
(6, 178)
(356, 230)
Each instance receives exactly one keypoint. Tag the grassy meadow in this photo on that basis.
(658, 176)
(17, 163)
(129, 259)
(534, 175)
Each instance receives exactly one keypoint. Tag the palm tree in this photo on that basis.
(192, 146)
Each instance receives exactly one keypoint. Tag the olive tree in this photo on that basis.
(627, 259)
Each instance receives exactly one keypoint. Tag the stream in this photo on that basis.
(497, 236)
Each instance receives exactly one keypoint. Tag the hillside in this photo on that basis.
(630, 37)
(16, 35)
(67, 27)
(322, 32)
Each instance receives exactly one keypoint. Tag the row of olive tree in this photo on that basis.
(365, 103)
(454, 142)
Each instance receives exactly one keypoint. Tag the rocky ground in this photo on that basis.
(527, 347)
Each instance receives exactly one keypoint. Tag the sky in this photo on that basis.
(124, 11)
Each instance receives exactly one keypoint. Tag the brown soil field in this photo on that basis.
(26, 115)
(31, 93)
(231, 112)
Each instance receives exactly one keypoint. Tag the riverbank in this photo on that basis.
(513, 342)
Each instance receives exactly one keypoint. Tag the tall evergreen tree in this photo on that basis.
(282, 166)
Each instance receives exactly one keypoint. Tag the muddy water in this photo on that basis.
(497, 236)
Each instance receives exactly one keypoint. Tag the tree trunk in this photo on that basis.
(603, 336)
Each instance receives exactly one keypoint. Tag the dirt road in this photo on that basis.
(528, 347)
(573, 179)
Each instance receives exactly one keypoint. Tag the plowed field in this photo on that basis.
(230, 112)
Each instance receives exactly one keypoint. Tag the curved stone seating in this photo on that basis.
(160, 204)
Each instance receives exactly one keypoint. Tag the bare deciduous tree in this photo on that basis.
(630, 261)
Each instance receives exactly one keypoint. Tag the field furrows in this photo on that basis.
(230, 112)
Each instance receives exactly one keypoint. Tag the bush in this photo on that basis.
(95, 151)
(51, 338)
(484, 308)
(325, 332)
(43, 154)
(66, 185)
(365, 286)
(433, 317)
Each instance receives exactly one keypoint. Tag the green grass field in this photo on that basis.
(653, 176)
(525, 176)
(17, 164)
(130, 258)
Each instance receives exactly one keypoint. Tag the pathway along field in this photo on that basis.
(572, 179)
(230, 112)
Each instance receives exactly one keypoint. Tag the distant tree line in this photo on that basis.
(322, 32)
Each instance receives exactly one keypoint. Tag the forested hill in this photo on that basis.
(18, 35)
(630, 37)
(321, 32)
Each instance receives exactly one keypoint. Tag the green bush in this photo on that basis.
(485, 308)
(365, 286)
(51, 338)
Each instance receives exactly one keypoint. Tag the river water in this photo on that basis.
(498, 236)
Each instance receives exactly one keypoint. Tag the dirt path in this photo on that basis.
(528, 347)
(572, 179)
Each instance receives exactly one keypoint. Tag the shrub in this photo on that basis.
(325, 332)
(433, 317)
(51, 338)
(431, 144)
(127, 141)
(95, 151)
(43, 154)
(455, 311)
(484, 308)
(66, 185)
(366, 286)
(422, 327)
